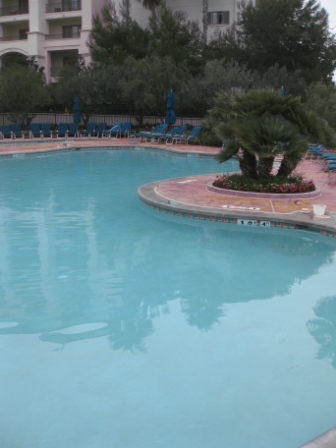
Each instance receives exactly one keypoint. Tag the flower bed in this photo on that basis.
(289, 185)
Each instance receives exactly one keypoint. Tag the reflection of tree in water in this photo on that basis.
(129, 328)
(323, 328)
(202, 312)
(116, 284)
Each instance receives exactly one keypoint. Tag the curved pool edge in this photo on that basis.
(295, 221)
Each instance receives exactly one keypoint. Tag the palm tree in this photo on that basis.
(205, 21)
(256, 126)
(150, 4)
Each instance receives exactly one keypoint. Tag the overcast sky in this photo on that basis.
(330, 6)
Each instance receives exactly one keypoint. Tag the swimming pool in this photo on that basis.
(119, 328)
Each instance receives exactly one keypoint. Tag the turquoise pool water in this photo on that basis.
(119, 328)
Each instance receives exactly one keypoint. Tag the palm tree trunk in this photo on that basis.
(288, 164)
(248, 164)
(127, 10)
(265, 167)
(205, 22)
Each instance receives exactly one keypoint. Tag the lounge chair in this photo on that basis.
(62, 130)
(114, 131)
(192, 137)
(5, 132)
(100, 129)
(175, 134)
(34, 130)
(16, 130)
(90, 130)
(73, 130)
(46, 130)
(125, 129)
(155, 134)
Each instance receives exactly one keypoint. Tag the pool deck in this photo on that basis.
(194, 197)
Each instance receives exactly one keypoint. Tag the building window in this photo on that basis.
(219, 18)
(70, 31)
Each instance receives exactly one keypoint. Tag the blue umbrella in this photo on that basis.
(171, 113)
(76, 111)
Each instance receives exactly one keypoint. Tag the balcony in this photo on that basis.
(75, 34)
(14, 10)
(13, 37)
(70, 5)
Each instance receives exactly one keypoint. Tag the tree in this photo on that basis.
(114, 38)
(145, 84)
(172, 35)
(321, 99)
(291, 33)
(150, 4)
(75, 80)
(258, 125)
(205, 6)
(22, 92)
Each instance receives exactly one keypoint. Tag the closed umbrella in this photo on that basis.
(76, 111)
(171, 113)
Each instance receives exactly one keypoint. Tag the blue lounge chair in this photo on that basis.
(193, 136)
(175, 134)
(90, 130)
(16, 130)
(328, 158)
(331, 169)
(157, 132)
(5, 132)
(34, 130)
(114, 131)
(125, 129)
(73, 130)
(100, 129)
(62, 130)
(46, 130)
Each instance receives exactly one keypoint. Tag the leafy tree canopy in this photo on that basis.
(114, 37)
(290, 33)
(172, 35)
(75, 80)
(321, 99)
(22, 91)
(145, 84)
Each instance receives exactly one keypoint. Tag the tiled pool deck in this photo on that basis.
(194, 198)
